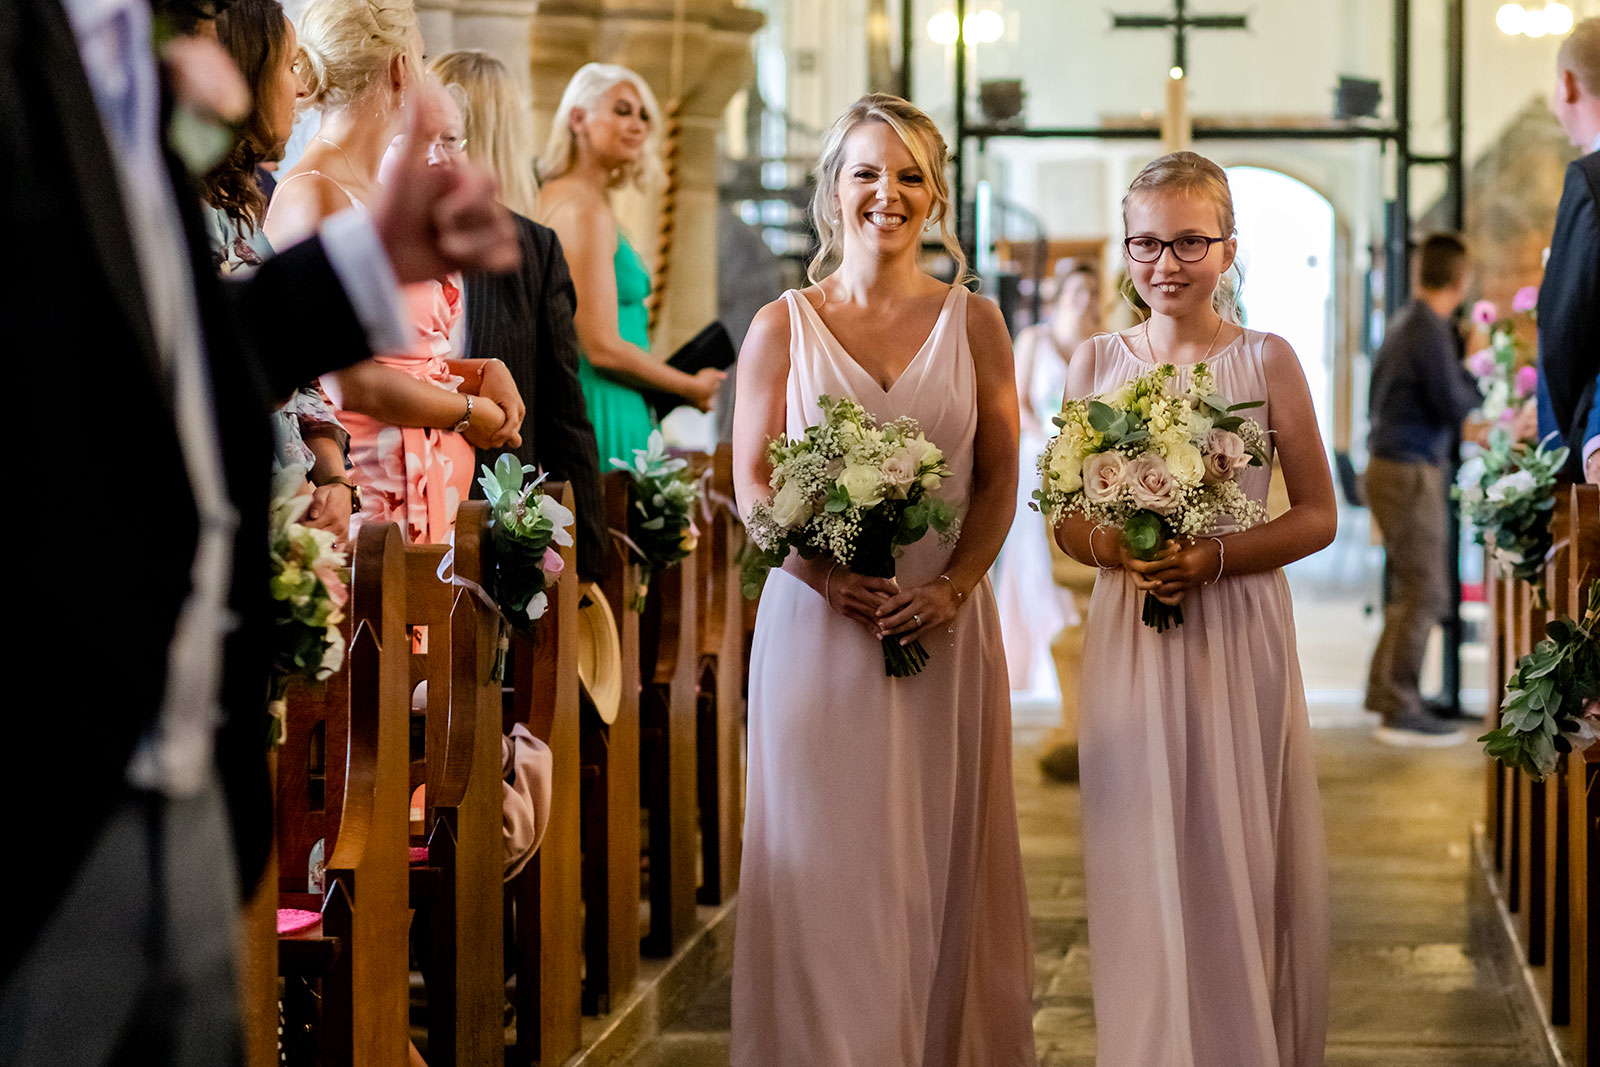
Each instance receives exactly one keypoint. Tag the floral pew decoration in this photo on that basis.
(1552, 700)
(525, 524)
(1505, 370)
(309, 586)
(1508, 494)
(661, 527)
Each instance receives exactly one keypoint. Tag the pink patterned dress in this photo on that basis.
(415, 475)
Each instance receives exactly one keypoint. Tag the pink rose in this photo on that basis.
(1526, 298)
(1482, 363)
(1104, 475)
(1483, 313)
(1152, 484)
(1224, 454)
(1526, 383)
(552, 563)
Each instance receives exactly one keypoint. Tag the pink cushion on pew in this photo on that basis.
(297, 922)
(419, 855)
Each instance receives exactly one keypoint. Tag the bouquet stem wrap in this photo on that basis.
(1144, 534)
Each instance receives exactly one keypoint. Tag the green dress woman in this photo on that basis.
(622, 420)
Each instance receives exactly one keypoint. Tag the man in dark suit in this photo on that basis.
(143, 586)
(1569, 298)
(524, 319)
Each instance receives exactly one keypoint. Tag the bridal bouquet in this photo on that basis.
(309, 591)
(856, 491)
(1507, 494)
(1505, 370)
(1552, 700)
(525, 524)
(661, 529)
(1157, 464)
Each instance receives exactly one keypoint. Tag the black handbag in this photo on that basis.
(711, 347)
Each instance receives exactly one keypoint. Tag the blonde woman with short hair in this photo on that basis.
(606, 134)
(882, 912)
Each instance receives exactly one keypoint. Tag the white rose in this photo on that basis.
(1186, 463)
(924, 452)
(1509, 485)
(863, 483)
(1104, 475)
(1065, 466)
(1151, 483)
(791, 508)
(537, 605)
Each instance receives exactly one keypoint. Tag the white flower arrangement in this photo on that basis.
(309, 588)
(856, 491)
(1155, 463)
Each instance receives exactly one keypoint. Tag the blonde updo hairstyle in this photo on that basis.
(497, 122)
(926, 145)
(1191, 174)
(584, 92)
(348, 46)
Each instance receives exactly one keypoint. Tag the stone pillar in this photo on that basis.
(713, 46)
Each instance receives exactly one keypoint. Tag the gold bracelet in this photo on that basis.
(960, 596)
(466, 420)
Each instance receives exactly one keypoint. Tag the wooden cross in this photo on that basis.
(1180, 22)
(1175, 127)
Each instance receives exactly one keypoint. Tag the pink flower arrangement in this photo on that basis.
(1525, 299)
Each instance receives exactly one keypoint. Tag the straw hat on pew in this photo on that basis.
(599, 654)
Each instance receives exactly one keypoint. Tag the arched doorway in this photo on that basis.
(1286, 252)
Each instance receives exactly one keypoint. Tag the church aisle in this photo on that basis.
(1410, 988)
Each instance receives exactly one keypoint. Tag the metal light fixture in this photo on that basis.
(1515, 19)
(981, 27)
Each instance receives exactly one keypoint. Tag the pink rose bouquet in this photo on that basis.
(1157, 464)
(1505, 370)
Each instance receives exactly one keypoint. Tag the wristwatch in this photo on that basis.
(466, 419)
(355, 491)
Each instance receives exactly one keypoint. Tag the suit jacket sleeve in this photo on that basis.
(1569, 304)
(323, 332)
(565, 437)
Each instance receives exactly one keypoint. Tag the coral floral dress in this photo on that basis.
(415, 475)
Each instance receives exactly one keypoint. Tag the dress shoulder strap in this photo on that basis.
(325, 177)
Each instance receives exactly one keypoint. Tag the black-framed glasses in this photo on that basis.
(1190, 248)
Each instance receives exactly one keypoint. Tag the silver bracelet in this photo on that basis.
(1222, 556)
(1092, 553)
(466, 419)
(960, 596)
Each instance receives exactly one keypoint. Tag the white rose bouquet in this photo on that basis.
(525, 524)
(858, 492)
(661, 527)
(1508, 494)
(1157, 464)
(309, 588)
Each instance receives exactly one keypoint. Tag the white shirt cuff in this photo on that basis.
(363, 268)
(1590, 447)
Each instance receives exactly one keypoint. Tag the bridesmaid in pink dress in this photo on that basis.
(882, 913)
(1203, 843)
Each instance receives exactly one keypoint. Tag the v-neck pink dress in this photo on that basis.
(883, 919)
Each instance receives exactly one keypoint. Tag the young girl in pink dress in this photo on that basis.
(1203, 842)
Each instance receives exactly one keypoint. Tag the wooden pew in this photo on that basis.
(546, 898)
(1544, 834)
(342, 774)
(721, 694)
(669, 648)
(611, 794)
(457, 892)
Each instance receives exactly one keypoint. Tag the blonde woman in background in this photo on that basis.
(882, 912)
(605, 136)
(525, 317)
(414, 417)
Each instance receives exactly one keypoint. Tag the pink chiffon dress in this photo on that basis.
(415, 475)
(883, 918)
(1203, 840)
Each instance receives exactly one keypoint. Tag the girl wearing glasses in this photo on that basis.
(416, 416)
(1203, 841)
